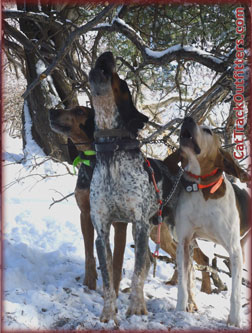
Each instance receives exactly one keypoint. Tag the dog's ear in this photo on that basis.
(132, 118)
(72, 150)
(226, 162)
(172, 161)
(89, 126)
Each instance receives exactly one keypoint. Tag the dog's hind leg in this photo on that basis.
(235, 254)
(202, 259)
(119, 247)
(105, 261)
(137, 303)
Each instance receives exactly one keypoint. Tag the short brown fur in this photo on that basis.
(77, 135)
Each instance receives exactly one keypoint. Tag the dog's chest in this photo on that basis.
(207, 216)
(121, 187)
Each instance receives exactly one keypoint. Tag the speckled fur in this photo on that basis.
(120, 192)
(120, 189)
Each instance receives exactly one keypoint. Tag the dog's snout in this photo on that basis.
(189, 120)
(95, 75)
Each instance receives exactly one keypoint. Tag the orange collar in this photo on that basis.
(195, 187)
(203, 176)
(215, 185)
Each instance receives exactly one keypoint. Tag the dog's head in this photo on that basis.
(201, 151)
(76, 123)
(111, 97)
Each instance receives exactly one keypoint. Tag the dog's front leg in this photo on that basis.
(183, 261)
(105, 261)
(191, 307)
(137, 303)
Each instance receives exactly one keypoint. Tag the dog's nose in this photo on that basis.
(188, 120)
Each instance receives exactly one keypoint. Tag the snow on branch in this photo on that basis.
(176, 52)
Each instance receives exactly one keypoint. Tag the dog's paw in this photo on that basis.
(191, 307)
(234, 321)
(107, 315)
(137, 308)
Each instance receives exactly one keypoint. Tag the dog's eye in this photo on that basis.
(79, 112)
(207, 130)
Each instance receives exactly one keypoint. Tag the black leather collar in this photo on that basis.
(115, 133)
(117, 144)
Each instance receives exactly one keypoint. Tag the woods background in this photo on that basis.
(177, 60)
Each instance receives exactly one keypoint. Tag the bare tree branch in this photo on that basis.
(19, 36)
(37, 17)
(65, 49)
(62, 199)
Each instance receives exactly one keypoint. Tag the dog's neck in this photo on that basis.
(106, 112)
(192, 165)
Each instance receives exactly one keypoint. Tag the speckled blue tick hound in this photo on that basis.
(120, 188)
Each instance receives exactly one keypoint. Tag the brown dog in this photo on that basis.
(78, 125)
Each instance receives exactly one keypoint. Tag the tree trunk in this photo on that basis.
(51, 91)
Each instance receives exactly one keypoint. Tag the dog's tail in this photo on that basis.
(243, 203)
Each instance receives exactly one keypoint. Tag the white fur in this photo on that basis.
(213, 219)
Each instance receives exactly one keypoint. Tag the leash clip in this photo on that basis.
(156, 252)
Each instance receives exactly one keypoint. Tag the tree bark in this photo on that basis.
(44, 96)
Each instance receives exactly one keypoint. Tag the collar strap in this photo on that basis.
(117, 145)
(203, 176)
(215, 185)
(194, 187)
(81, 158)
(116, 132)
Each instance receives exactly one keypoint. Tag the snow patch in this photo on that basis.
(44, 268)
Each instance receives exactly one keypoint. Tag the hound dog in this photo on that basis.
(207, 208)
(121, 188)
(78, 124)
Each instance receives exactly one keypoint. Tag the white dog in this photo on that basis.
(207, 209)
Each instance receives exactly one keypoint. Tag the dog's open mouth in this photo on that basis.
(187, 136)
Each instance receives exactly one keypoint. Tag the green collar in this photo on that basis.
(79, 159)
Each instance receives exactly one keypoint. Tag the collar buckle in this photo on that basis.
(193, 187)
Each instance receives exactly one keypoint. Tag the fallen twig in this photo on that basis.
(203, 268)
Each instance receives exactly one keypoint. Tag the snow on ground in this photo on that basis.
(44, 263)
